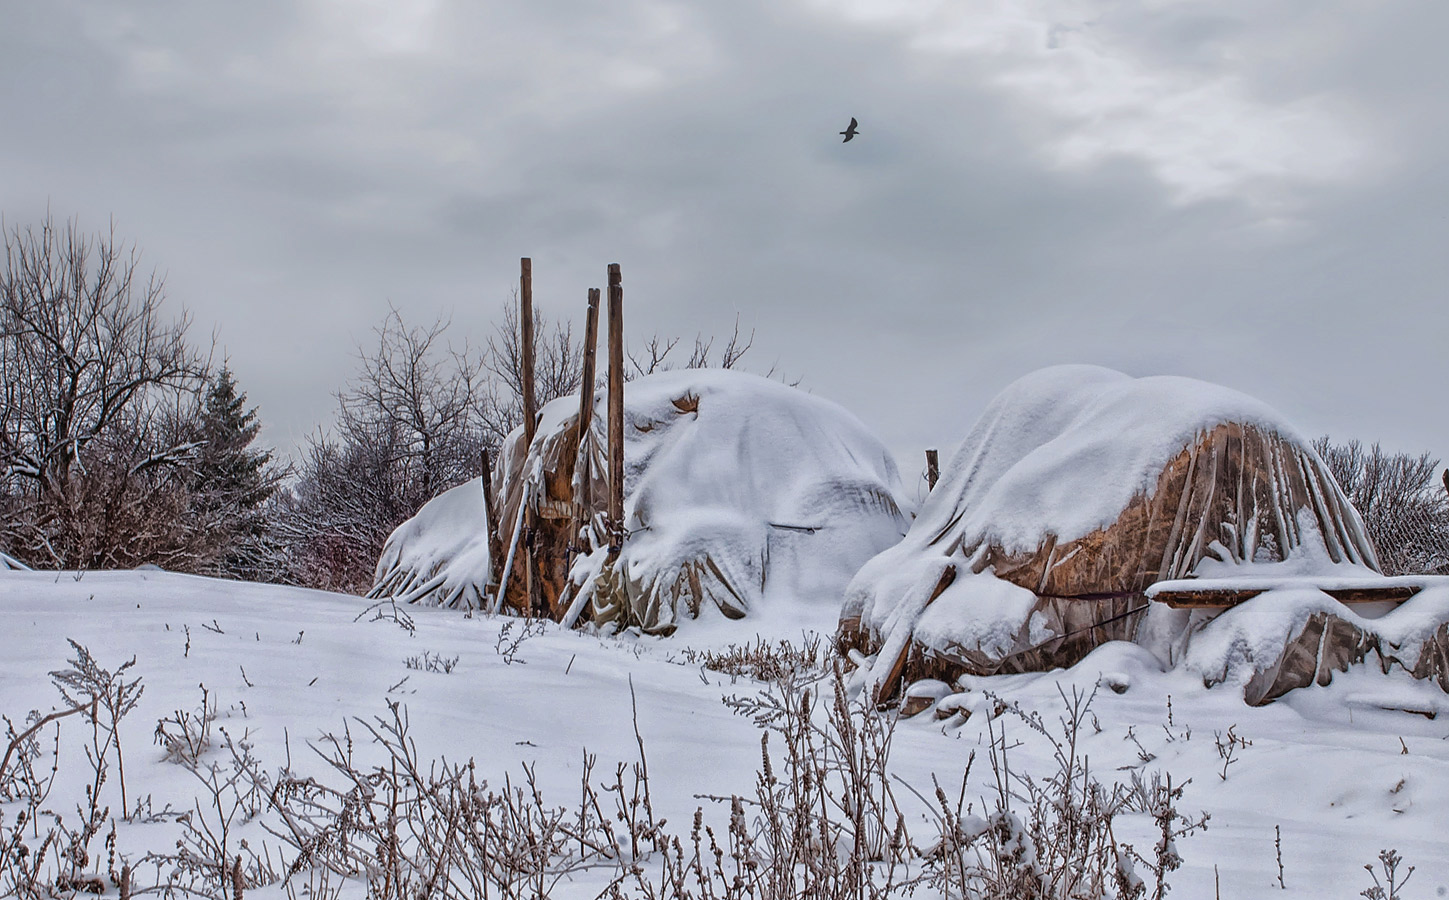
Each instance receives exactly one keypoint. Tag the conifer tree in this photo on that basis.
(231, 480)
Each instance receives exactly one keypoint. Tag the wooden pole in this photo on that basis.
(525, 337)
(490, 514)
(616, 408)
(530, 409)
(933, 468)
(591, 342)
(586, 413)
(512, 550)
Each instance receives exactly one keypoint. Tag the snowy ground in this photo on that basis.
(1344, 771)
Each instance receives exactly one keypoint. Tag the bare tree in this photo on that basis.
(408, 427)
(655, 355)
(558, 370)
(422, 393)
(411, 424)
(1401, 500)
(94, 382)
(329, 527)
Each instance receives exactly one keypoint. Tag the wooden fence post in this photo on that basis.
(525, 332)
(933, 469)
(616, 409)
(586, 414)
(490, 511)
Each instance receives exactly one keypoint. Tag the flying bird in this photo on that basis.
(850, 132)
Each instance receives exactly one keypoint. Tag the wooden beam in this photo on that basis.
(584, 501)
(933, 468)
(616, 408)
(591, 342)
(512, 549)
(1373, 595)
(525, 350)
(530, 414)
(1223, 598)
(1205, 599)
(490, 513)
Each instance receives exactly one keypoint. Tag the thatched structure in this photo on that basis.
(1077, 490)
(742, 497)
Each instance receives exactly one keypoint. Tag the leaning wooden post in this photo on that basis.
(616, 409)
(512, 549)
(933, 468)
(586, 414)
(490, 515)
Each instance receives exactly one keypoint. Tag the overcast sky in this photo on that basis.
(1252, 193)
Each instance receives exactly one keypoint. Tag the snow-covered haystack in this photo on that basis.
(742, 496)
(440, 555)
(1077, 489)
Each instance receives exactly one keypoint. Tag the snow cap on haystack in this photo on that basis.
(742, 496)
(1077, 489)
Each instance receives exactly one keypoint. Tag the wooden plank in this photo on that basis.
(1373, 595)
(616, 408)
(512, 550)
(1222, 598)
(933, 468)
(1204, 599)
(525, 349)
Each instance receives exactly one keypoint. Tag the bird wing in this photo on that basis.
(852, 123)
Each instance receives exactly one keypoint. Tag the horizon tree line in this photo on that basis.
(124, 444)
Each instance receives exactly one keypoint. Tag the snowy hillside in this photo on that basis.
(1339, 772)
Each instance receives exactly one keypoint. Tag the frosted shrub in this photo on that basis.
(780, 661)
(1052, 838)
(1388, 889)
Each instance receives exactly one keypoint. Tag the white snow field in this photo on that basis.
(1340, 771)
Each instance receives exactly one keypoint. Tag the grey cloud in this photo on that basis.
(293, 181)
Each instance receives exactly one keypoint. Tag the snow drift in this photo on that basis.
(1078, 489)
(742, 496)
